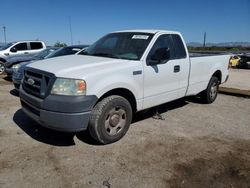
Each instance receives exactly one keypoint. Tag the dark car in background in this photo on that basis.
(68, 50)
(244, 62)
(19, 72)
(13, 63)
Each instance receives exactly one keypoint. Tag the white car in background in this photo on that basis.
(19, 49)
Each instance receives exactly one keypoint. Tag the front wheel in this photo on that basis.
(209, 95)
(2, 67)
(110, 119)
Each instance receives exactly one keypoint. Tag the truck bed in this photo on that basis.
(202, 54)
(200, 65)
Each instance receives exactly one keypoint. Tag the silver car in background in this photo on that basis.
(19, 49)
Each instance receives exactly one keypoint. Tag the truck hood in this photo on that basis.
(76, 66)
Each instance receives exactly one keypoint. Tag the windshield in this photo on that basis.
(43, 53)
(126, 45)
(6, 46)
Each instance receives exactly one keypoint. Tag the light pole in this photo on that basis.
(4, 33)
(204, 39)
(70, 29)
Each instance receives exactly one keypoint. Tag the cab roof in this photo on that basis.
(151, 31)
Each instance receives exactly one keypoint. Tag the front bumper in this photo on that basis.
(9, 70)
(62, 113)
(17, 79)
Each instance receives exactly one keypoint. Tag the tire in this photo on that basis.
(2, 67)
(110, 119)
(209, 95)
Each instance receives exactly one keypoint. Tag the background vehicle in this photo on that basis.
(122, 73)
(18, 71)
(17, 49)
(244, 62)
(234, 61)
(69, 50)
(14, 62)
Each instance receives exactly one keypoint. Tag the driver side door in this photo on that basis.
(161, 81)
(20, 49)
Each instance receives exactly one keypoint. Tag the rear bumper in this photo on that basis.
(62, 113)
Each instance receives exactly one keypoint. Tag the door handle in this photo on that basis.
(26, 52)
(177, 68)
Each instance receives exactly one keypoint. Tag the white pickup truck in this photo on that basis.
(122, 73)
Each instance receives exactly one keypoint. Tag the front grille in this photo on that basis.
(37, 82)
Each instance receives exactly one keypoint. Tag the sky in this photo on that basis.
(49, 20)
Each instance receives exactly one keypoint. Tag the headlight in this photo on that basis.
(16, 66)
(64, 86)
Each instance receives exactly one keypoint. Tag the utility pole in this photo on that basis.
(70, 29)
(4, 33)
(204, 41)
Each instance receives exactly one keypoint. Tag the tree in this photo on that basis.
(60, 44)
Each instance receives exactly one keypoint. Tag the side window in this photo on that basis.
(36, 45)
(163, 41)
(180, 51)
(21, 46)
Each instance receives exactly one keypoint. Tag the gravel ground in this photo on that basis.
(196, 145)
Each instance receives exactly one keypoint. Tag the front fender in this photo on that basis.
(120, 80)
(104, 85)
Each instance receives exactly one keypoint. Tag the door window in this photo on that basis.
(180, 51)
(21, 46)
(163, 41)
(36, 45)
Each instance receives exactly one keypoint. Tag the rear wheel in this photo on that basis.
(110, 119)
(210, 94)
(2, 67)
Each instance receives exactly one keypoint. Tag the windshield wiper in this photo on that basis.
(84, 53)
(105, 55)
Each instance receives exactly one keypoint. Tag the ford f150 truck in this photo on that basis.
(122, 73)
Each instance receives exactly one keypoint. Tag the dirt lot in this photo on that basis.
(196, 145)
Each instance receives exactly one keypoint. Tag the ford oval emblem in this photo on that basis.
(30, 81)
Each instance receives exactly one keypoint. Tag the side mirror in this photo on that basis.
(161, 54)
(13, 50)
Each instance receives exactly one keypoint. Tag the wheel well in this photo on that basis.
(3, 60)
(217, 74)
(123, 93)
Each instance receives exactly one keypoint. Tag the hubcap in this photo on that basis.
(115, 121)
(213, 91)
